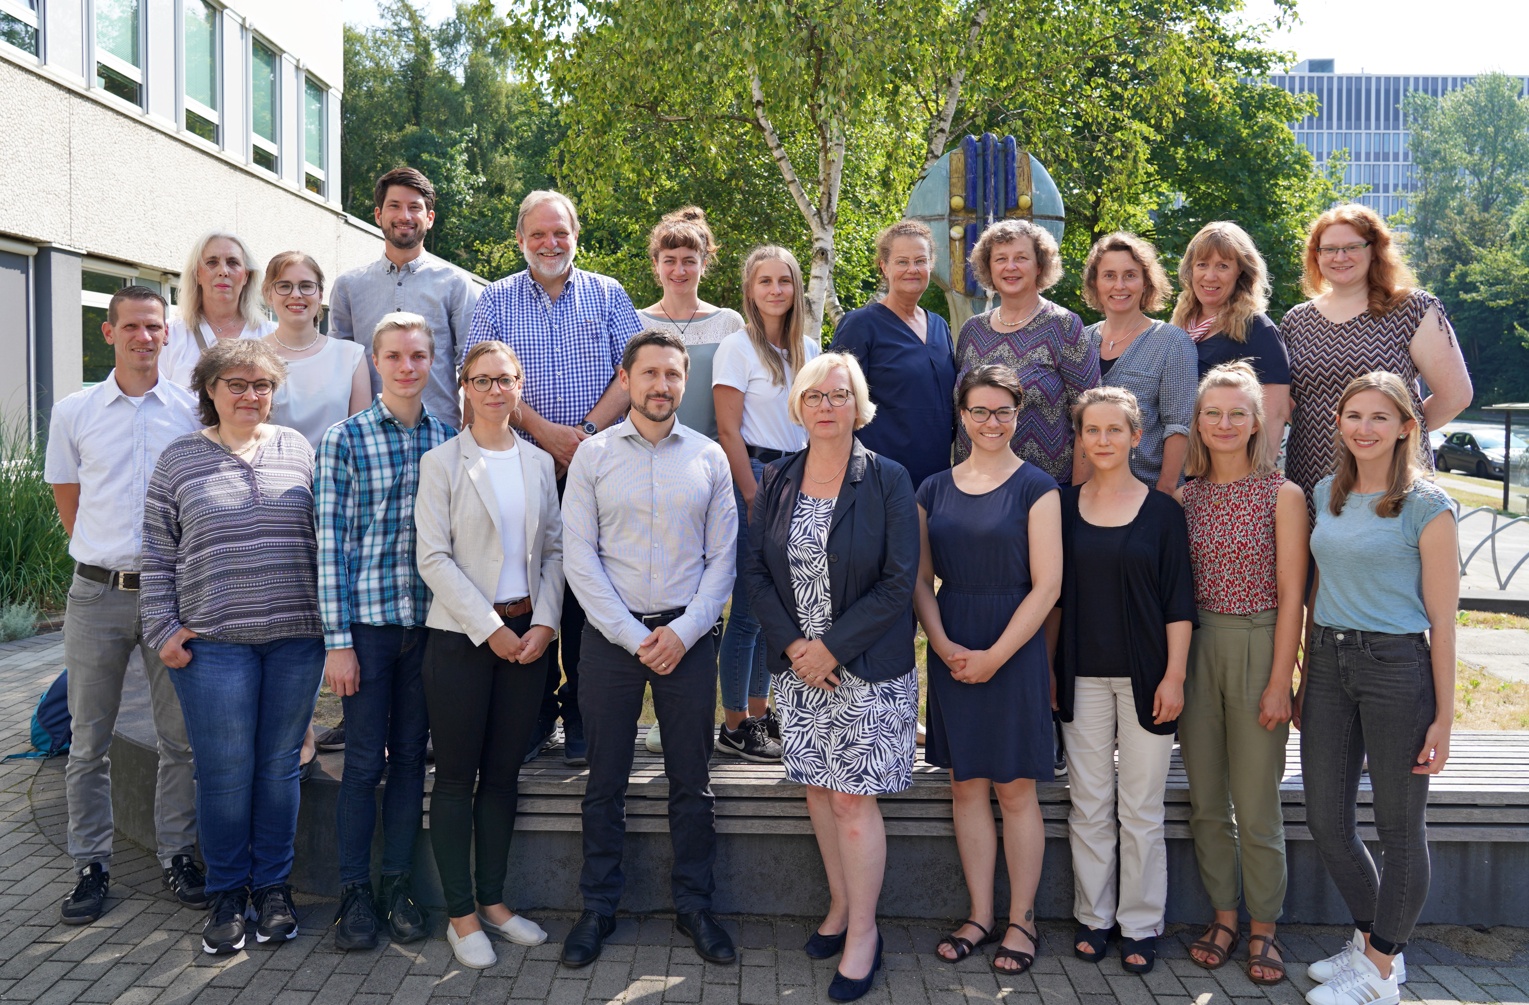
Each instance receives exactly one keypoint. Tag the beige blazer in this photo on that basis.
(460, 553)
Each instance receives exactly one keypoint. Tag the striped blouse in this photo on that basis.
(228, 546)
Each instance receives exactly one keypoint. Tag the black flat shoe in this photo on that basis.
(587, 938)
(712, 943)
(842, 989)
(821, 947)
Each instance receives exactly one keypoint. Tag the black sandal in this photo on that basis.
(1145, 948)
(1095, 938)
(1025, 960)
(963, 947)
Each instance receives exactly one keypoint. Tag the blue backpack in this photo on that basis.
(50, 721)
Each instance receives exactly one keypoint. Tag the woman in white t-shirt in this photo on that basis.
(217, 300)
(751, 382)
(327, 379)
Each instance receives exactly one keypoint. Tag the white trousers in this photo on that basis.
(1104, 716)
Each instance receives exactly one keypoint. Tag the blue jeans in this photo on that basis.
(741, 662)
(386, 726)
(247, 708)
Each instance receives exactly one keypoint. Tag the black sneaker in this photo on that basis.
(355, 923)
(276, 918)
(185, 879)
(772, 724)
(1059, 768)
(331, 739)
(750, 741)
(224, 931)
(88, 900)
(406, 919)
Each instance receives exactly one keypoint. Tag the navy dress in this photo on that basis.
(999, 729)
(912, 383)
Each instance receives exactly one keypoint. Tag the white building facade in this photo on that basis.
(128, 128)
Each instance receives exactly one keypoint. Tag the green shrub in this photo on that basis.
(35, 568)
(17, 621)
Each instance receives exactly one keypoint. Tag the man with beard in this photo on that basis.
(408, 278)
(569, 328)
(649, 528)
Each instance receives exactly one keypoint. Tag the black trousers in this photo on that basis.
(482, 715)
(685, 700)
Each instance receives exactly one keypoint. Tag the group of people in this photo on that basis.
(257, 507)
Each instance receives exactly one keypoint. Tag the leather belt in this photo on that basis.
(764, 455)
(514, 608)
(659, 618)
(116, 580)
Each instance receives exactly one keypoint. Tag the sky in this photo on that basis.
(1371, 36)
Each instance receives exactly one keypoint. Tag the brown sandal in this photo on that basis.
(1024, 959)
(1264, 960)
(1207, 944)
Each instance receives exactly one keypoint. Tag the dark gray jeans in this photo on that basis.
(1371, 694)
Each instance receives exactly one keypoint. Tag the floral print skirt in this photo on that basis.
(857, 739)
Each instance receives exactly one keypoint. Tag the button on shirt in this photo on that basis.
(99, 439)
(647, 529)
(431, 287)
(570, 347)
(364, 486)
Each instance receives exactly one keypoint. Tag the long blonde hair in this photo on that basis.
(791, 325)
(1238, 376)
(1250, 294)
(1405, 469)
(190, 299)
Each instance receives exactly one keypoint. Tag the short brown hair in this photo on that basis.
(902, 228)
(136, 294)
(683, 228)
(232, 354)
(409, 178)
(279, 262)
(1156, 287)
(653, 336)
(1048, 259)
(994, 375)
(1390, 278)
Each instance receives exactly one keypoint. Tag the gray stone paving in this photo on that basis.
(146, 949)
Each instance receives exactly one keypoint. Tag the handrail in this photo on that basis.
(1502, 583)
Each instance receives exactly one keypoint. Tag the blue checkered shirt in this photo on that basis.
(364, 486)
(570, 347)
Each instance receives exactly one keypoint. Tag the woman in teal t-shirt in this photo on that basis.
(1374, 684)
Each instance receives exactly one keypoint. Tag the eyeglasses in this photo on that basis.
(1004, 415)
(487, 383)
(238, 385)
(284, 287)
(837, 398)
(1346, 249)
(1237, 416)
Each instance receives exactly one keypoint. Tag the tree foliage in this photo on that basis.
(1469, 222)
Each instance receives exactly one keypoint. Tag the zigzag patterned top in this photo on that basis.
(1056, 363)
(1325, 356)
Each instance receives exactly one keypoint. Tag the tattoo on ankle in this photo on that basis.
(1029, 915)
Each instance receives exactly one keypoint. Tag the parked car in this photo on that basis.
(1480, 452)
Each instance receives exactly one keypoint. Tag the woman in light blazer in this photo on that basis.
(490, 549)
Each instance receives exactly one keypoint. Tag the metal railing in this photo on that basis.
(1491, 539)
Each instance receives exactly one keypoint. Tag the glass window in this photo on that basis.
(18, 24)
(201, 31)
(265, 96)
(313, 134)
(95, 296)
(119, 69)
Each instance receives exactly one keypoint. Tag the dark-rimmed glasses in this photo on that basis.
(838, 398)
(980, 415)
(486, 383)
(238, 385)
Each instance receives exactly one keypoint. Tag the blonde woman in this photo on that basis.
(217, 301)
(1377, 690)
(1224, 293)
(1247, 547)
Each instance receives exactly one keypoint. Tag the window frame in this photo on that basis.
(311, 170)
(116, 64)
(193, 106)
(271, 147)
(31, 18)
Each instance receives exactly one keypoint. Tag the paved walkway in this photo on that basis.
(146, 948)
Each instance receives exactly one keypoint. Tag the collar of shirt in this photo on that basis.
(539, 291)
(389, 266)
(380, 413)
(109, 390)
(629, 429)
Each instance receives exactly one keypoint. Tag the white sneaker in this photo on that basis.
(1359, 983)
(471, 950)
(520, 929)
(1323, 971)
(653, 741)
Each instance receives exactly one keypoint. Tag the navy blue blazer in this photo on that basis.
(873, 547)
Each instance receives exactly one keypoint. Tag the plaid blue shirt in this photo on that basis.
(364, 486)
(570, 347)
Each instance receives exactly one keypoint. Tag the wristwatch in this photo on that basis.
(589, 428)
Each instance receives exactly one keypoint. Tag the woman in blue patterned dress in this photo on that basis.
(992, 533)
(834, 552)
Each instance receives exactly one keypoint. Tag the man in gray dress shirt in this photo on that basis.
(649, 526)
(409, 278)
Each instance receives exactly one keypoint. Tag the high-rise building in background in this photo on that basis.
(1362, 113)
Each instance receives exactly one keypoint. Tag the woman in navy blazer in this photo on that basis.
(835, 546)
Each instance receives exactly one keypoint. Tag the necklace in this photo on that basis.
(254, 442)
(219, 329)
(299, 348)
(1135, 331)
(1027, 319)
(825, 481)
(682, 328)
